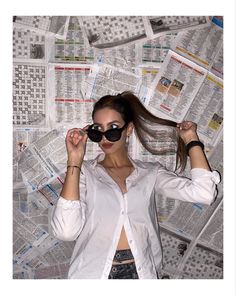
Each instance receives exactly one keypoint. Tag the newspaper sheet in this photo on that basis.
(68, 105)
(166, 24)
(105, 79)
(203, 263)
(29, 95)
(154, 51)
(212, 236)
(110, 31)
(124, 57)
(174, 248)
(43, 160)
(148, 74)
(207, 109)
(203, 46)
(73, 48)
(175, 87)
(53, 25)
(28, 45)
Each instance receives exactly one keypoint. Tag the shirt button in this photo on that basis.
(122, 212)
(139, 268)
(130, 241)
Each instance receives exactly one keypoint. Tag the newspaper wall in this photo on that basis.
(61, 66)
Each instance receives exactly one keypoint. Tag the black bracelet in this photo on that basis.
(192, 144)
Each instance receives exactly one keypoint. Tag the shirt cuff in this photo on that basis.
(68, 204)
(201, 172)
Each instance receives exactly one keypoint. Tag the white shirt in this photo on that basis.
(96, 220)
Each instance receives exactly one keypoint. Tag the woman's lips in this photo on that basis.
(107, 145)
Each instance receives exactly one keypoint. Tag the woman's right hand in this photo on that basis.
(76, 140)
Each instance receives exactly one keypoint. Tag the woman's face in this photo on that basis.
(105, 119)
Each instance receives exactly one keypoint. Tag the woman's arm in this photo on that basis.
(76, 144)
(188, 132)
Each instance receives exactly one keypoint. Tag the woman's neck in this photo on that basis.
(116, 160)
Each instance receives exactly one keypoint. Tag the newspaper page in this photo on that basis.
(28, 46)
(124, 57)
(212, 236)
(43, 160)
(68, 106)
(203, 263)
(73, 48)
(53, 25)
(202, 46)
(207, 109)
(166, 24)
(175, 87)
(174, 248)
(29, 95)
(105, 79)
(154, 51)
(110, 31)
(148, 74)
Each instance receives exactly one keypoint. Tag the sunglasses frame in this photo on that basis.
(106, 132)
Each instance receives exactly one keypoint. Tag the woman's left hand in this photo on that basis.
(187, 131)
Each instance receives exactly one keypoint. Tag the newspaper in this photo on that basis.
(203, 46)
(110, 31)
(203, 263)
(166, 24)
(154, 51)
(67, 103)
(212, 236)
(43, 160)
(175, 87)
(124, 57)
(28, 45)
(207, 109)
(105, 79)
(29, 95)
(53, 25)
(73, 48)
(148, 74)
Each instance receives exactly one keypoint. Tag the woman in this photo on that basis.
(108, 205)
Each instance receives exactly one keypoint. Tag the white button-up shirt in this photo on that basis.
(96, 220)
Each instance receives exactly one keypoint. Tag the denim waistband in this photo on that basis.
(124, 271)
(122, 255)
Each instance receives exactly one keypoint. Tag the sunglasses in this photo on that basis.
(111, 134)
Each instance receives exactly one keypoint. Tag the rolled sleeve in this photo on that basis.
(68, 218)
(201, 188)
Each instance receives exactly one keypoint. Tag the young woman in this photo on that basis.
(108, 205)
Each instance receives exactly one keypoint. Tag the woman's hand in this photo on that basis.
(76, 140)
(187, 131)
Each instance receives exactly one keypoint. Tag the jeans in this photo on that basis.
(124, 270)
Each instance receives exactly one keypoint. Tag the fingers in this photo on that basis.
(75, 135)
(186, 125)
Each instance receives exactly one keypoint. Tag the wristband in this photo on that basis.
(192, 144)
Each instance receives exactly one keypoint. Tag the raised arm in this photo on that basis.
(76, 145)
(188, 132)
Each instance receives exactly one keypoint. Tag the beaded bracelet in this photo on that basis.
(192, 144)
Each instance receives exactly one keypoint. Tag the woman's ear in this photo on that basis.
(130, 128)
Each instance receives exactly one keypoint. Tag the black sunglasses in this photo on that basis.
(111, 134)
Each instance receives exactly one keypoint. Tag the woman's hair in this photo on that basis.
(132, 110)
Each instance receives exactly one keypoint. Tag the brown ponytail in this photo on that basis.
(132, 110)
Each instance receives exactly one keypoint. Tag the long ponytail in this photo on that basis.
(132, 110)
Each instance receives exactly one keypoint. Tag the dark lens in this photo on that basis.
(113, 134)
(94, 135)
